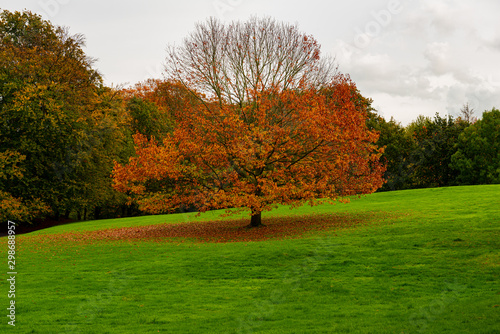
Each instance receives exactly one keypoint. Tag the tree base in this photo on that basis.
(256, 219)
(250, 226)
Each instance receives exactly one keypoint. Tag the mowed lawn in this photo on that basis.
(417, 261)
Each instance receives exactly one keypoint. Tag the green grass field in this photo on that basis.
(419, 261)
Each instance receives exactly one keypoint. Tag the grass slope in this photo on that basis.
(431, 266)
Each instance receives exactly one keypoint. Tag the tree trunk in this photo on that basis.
(57, 215)
(256, 219)
(97, 212)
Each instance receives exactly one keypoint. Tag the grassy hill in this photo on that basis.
(419, 261)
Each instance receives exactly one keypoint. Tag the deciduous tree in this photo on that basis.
(54, 112)
(434, 144)
(271, 123)
(477, 156)
(398, 147)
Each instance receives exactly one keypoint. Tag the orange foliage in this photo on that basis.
(221, 231)
(13, 208)
(286, 146)
(167, 95)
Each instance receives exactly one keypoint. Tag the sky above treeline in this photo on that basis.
(412, 57)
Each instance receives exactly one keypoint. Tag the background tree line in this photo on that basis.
(62, 129)
(439, 152)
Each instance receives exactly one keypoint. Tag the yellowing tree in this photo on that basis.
(57, 118)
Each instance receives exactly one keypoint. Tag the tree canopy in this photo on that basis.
(477, 157)
(271, 123)
(54, 120)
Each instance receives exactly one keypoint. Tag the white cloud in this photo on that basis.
(437, 53)
(428, 56)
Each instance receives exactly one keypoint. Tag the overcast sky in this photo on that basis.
(412, 57)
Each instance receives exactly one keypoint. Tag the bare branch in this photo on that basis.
(234, 62)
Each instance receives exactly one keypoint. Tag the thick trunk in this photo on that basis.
(256, 219)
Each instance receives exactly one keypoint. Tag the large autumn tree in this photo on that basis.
(271, 123)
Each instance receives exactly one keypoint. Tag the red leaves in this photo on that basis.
(271, 123)
(287, 147)
(221, 231)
